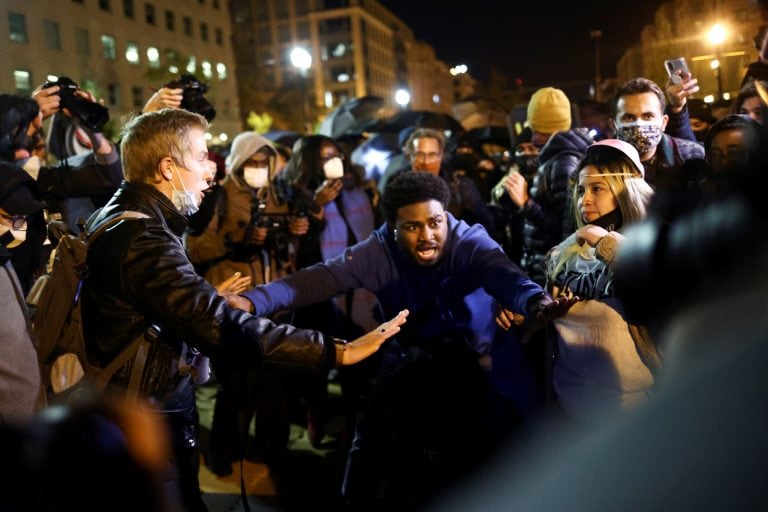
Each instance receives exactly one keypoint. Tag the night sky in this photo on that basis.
(542, 42)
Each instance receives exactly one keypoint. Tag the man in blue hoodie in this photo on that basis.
(447, 274)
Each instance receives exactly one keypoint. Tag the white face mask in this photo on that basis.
(19, 236)
(184, 201)
(256, 177)
(334, 168)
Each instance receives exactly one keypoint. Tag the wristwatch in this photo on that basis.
(606, 248)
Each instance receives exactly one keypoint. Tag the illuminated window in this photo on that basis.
(153, 56)
(221, 70)
(207, 69)
(132, 52)
(192, 64)
(108, 47)
(22, 79)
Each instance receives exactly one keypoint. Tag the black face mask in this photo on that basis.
(528, 164)
(611, 221)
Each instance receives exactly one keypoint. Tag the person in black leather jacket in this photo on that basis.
(140, 275)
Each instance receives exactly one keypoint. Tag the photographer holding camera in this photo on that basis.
(252, 231)
(82, 183)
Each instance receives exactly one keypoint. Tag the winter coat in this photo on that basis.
(547, 214)
(140, 274)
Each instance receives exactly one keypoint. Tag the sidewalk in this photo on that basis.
(310, 478)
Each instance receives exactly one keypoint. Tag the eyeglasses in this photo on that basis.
(18, 222)
(429, 157)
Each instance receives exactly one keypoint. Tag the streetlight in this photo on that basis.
(596, 35)
(302, 61)
(402, 98)
(716, 36)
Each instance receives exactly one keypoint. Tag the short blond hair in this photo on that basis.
(150, 137)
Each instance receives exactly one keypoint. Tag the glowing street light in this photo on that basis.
(402, 97)
(716, 37)
(301, 59)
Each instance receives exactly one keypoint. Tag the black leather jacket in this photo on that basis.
(139, 274)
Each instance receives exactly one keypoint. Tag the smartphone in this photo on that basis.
(673, 65)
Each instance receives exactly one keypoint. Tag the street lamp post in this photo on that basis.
(717, 36)
(302, 61)
(596, 35)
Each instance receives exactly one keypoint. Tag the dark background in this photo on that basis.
(542, 42)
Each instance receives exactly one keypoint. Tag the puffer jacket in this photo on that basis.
(547, 212)
(665, 171)
(139, 274)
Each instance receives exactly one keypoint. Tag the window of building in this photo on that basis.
(263, 35)
(77, 1)
(192, 64)
(17, 27)
(113, 95)
(186, 21)
(204, 31)
(108, 47)
(104, 5)
(283, 32)
(22, 80)
(132, 52)
(137, 96)
(301, 8)
(207, 69)
(52, 35)
(221, 70)
(302, 30)
(172, 57)
(219, 36)
(281, 10)
(153, 57)
(128, 10)
(170, 20)
(82, 41)
(215, 4)
(149, 14)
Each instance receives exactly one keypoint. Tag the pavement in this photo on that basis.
(309, 478)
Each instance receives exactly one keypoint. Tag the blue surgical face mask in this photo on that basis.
(184, 201)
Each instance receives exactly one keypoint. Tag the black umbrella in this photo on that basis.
(351, 117)
(479, 111)
(419, 119)
(284, 137)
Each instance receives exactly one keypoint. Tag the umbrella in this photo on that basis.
(375, 153)
(479, 111)
(417, 118)
(491, 135)
(283, 137)
(351, 117)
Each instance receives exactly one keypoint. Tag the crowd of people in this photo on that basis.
(499, 282)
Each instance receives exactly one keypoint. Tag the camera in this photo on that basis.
(194, 99)
(91, 115)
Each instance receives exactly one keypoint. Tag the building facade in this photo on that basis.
(122, 50)
(358, 48)
(681, 29)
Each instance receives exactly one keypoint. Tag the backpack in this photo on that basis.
(66, 373)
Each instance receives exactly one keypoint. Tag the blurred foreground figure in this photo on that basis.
(95, 457)
(700, 443)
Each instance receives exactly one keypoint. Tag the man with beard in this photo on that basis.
(640, 120)
(427, 419)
